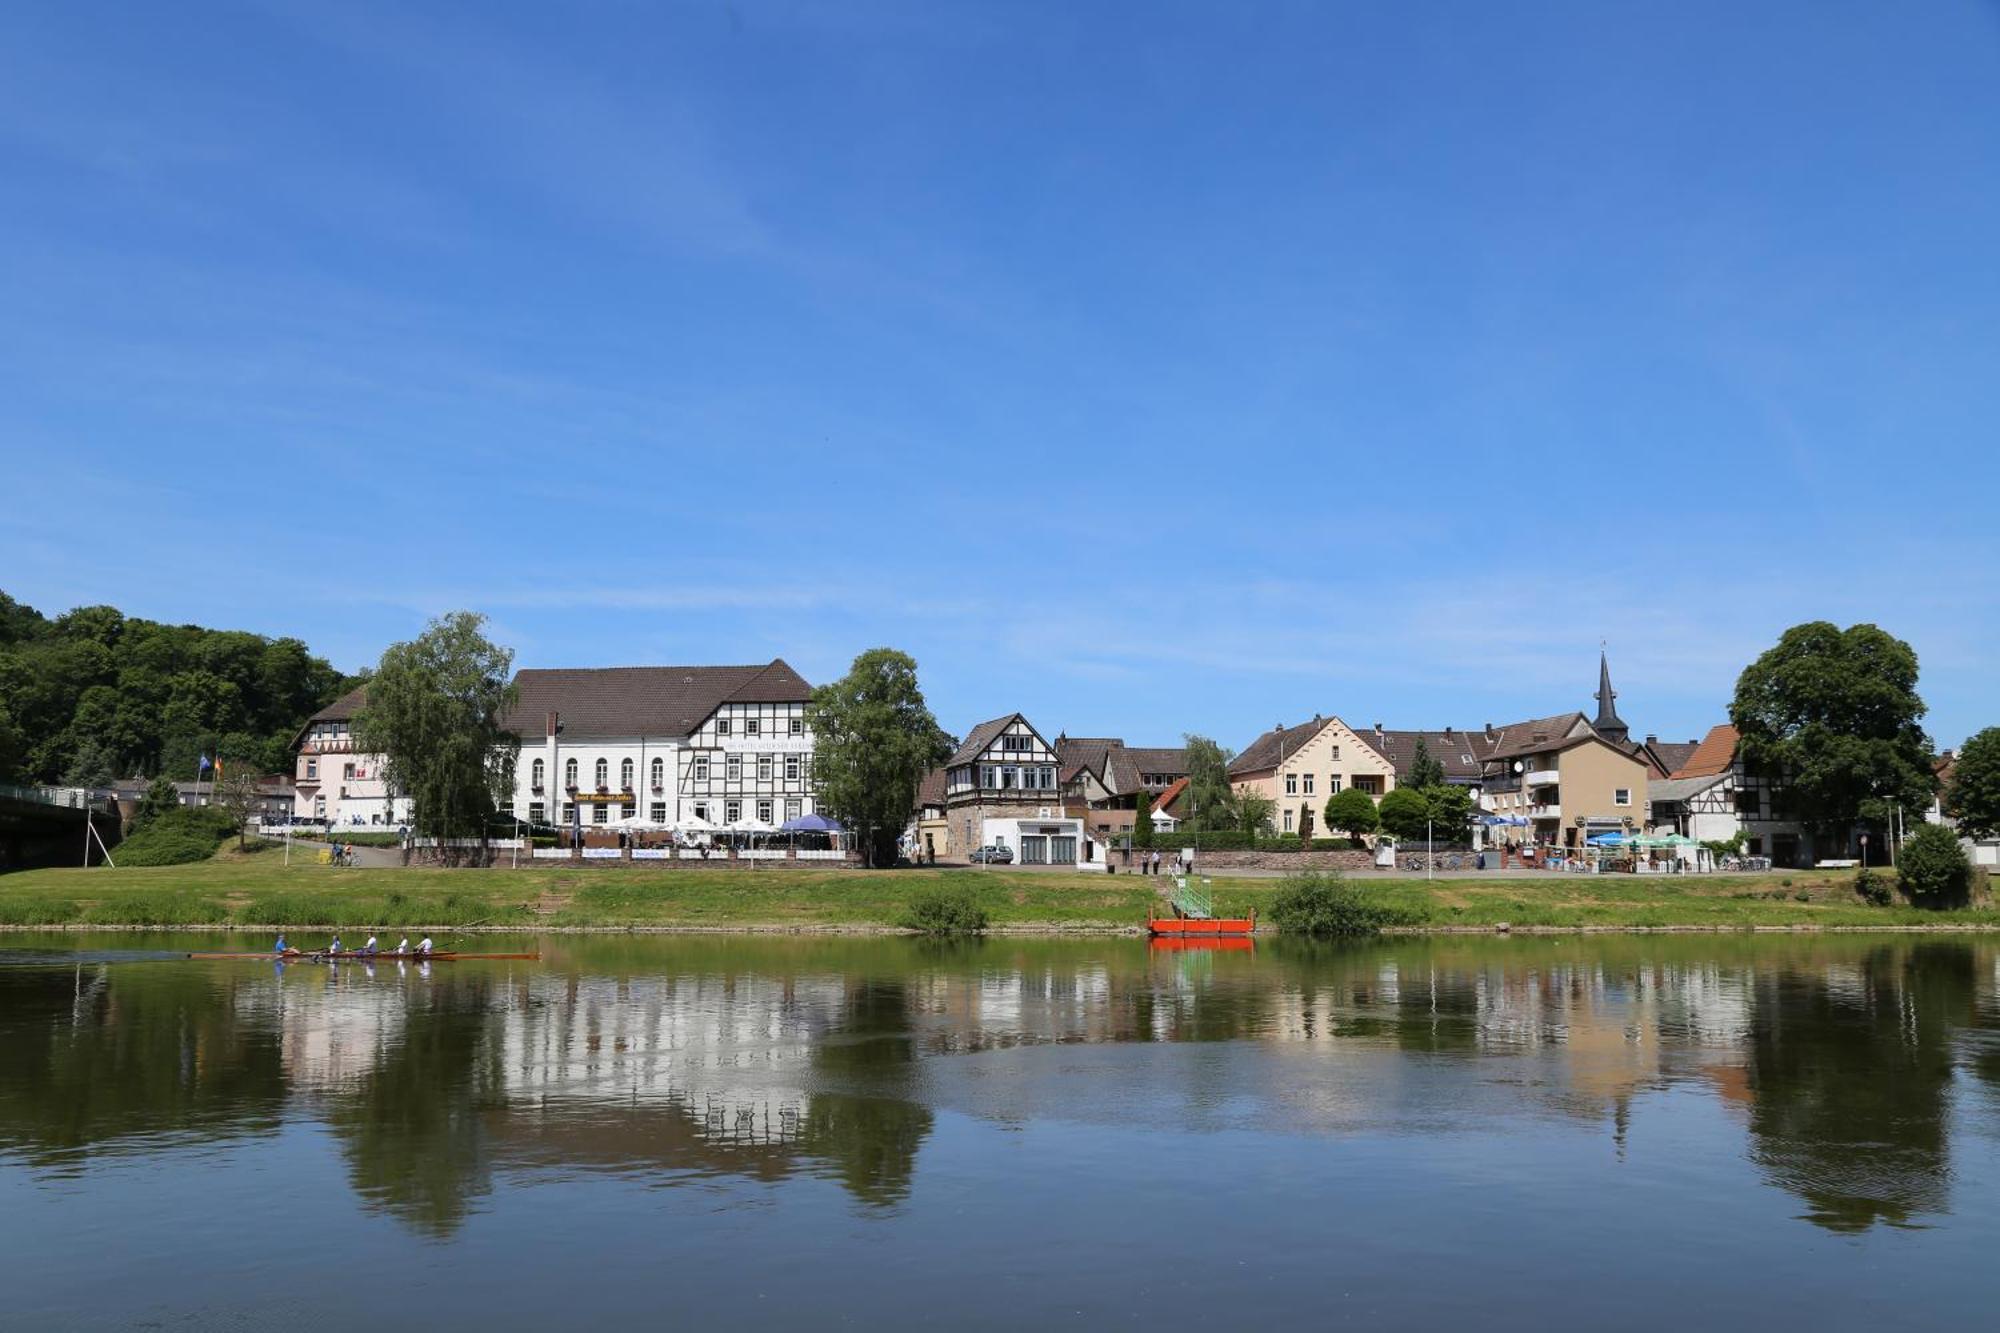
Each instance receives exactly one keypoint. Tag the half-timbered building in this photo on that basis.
(664, 745)
(1001, 790)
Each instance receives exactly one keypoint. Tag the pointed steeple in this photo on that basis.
(1608, 723)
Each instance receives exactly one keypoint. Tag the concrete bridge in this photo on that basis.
(48, 826)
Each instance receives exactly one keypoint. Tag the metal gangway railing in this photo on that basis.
(70, 798)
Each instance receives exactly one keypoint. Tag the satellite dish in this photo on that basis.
(1518, 766)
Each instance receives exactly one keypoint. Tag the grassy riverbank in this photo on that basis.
(257, 891)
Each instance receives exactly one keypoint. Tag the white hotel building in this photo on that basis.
(727, 744)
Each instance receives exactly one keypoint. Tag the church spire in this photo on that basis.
(1608, 723)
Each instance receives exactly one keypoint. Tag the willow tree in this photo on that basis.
(873, 740)
(434, 711)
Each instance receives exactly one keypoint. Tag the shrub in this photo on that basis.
(1874, 887)
(1326, 904)
(1933, 868)
(945, 911)
(1353, 811)
(177, 837)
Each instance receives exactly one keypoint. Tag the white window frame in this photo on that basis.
(701, 768)
(1309, 784)
(732, 812)
(792, 808)
(798, 727)
(791, 768)
(722, 726)
(657, 813)
(753, 726)
(659, 774)
(763, 768)
(1621, 796)
(536, 772)
(1291, 784)
(569, 774)
(765, 810)
(732, 768)
(600, 813)
(601, 771)
(625, 774)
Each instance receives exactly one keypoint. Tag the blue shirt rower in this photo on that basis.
(334, 948)
(281, 946)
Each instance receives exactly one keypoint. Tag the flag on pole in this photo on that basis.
(204, 765)
(218, 768)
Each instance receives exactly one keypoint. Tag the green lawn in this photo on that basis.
(257, 890)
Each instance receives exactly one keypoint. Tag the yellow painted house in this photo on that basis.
(1299, 767)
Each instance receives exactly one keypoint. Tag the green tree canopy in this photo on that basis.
(1405, 814)
(873, 740)
(1451, 812)
(1142, 820)
(1352, 812)
(1253, 811)
(1211, 803)
(1425, 770)
(1833, 715)
(1973, 799)
(94, 687)
(433, 711)
(1933, 869)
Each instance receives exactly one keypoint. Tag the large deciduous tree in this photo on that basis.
(1405, 814)
(1973, 798)
(434, 711)
(1352, 812)
(873, 740)
(1211, 804)
(1832, 714)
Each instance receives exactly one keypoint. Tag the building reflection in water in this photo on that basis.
(762, 1061)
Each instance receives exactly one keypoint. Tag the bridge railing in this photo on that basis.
(73, 798)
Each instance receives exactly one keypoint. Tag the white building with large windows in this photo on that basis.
(725, 744)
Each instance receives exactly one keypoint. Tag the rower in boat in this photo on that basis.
(333, 950)
(403, 946)
(368, 950)
(281, 947)
(424, 947)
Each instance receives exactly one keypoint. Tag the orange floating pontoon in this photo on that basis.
(1202, 943)
(1201, 927)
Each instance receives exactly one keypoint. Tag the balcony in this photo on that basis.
(1542, 777)
(1551, 811)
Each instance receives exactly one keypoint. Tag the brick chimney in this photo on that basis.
(555, 726)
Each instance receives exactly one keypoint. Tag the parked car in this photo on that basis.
(996, 855)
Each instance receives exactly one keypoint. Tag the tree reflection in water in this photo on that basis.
(411, 1130)
(1851, 1069)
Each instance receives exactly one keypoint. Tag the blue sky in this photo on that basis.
(1146, 367)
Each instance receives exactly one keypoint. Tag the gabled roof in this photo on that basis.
(1671, 755)
(644, 701)
(930, 788)
(1165, 800)
(1715, 754)
(1459, 752)
(344, 708)
(1078, 754)
(1158, 758)
(1558, 732)
(1679, 789)
(1270, 749)
(980, 737)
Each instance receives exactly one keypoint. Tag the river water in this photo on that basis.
(782, 1132)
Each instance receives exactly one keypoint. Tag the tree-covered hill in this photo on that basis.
(92, 695)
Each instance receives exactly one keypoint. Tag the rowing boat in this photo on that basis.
(355, 956)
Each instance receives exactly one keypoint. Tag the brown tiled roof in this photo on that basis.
(1715, 754)
(1074, 754)
(1166, 799)
(980, 737)
(1673, 754)
(344, 708)
(1519, 737)
(1158, 758)
(1267, 751)
(930, 788)
(644, 701)
(1459, 752)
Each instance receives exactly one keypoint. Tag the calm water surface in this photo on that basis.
(1710, 1132)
